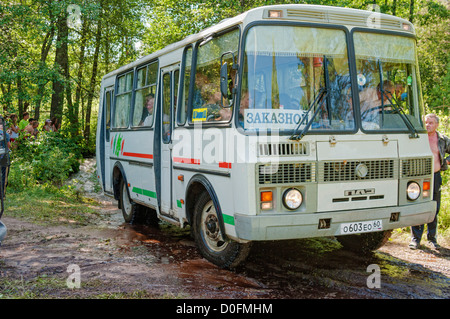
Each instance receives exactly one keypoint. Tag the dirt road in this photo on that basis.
(111, 258)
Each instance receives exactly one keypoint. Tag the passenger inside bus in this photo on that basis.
(147, 114)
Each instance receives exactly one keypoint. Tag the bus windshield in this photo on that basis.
(294, 75)
(388, 83)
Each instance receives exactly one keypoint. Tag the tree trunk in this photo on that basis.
(19, 93)
(411, 11)
(43, 80)
(93, 83)
(61, 62)
(75, 110)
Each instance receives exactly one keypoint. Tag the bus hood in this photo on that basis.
(357, 174)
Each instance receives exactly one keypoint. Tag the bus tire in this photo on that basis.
(224, 253)
(132, 212)
(364, 243)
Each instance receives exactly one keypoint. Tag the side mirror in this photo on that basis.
(224, 80)
(224, 88)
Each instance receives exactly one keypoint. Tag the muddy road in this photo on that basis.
(118, 260)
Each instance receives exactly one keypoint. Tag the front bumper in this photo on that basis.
(294, 226)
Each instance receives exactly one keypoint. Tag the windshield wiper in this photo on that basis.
(321, 98)
(396, 106)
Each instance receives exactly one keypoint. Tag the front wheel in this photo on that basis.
(210, 241)
(364, 243)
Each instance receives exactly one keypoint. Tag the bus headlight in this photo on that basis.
(292, 198)
(413, 191)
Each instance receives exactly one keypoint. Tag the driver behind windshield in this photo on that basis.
(373, 105)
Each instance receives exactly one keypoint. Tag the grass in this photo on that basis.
(50, 204)
(46, 287)
(38, 287)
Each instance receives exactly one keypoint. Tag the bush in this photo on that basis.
(50, 158)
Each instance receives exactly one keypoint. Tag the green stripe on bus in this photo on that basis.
(137, 190)
(144, 192)
(228, 219)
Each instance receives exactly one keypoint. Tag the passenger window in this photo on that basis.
(108, 114)
(145, 95)
(167, 109)
(176, 82)
(206, 95)
(123, 100)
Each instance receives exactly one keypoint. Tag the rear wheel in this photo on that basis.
(364, 243)
(128, 207)
(134, 213)
(210, 241)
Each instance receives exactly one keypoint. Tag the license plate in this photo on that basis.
(361, 227)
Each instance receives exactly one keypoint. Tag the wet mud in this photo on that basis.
(163, 262)
(307, 268)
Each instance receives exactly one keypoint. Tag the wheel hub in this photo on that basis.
(212, 229)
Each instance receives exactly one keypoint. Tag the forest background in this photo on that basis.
(53, 55)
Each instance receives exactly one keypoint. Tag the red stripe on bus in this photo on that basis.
(186, 160)
(150, 156)
(224, 165)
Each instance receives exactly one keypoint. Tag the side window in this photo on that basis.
(166, 109)
(184, 92)
(176, 82)
(206, 95)
(108, 98)
(145, 95)
(123, 100)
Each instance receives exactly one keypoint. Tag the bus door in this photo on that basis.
(169, 82)
(105, 139)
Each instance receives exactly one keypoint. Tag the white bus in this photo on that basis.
(285, 122)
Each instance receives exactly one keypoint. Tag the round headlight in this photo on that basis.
(413, 191)
(292, 198)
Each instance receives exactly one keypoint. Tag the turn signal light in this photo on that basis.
(266, 200)
(426, 188)
(266, 196)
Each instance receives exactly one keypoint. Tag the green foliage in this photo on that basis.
(444, 212)
(51, 204)
(50, 158)
(433, 29)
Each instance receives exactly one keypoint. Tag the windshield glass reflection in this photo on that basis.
(287, 70)
(387, 81)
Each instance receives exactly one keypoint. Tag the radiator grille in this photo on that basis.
(286, 173)
(337, 171)
(282, 149)
(416, 167)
